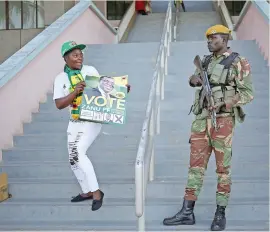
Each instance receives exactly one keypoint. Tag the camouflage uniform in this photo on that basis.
(229, 77)
(204, 139)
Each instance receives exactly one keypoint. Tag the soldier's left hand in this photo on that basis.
(217, 106)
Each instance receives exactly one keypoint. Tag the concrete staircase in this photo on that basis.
(193, 23)
(42, 183)
(149, 28)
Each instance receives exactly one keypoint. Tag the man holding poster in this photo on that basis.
(69, 86)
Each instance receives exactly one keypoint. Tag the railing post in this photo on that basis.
(165, 63)
(141, 223)
(158, 93)
(152, 165)
(162, 85)
(176, 21)
(139, 192)
(168, 37)
(165, 51)
(174, 33)
(170, 26)
(158, 119)
(152, 131)
(166, 40)
(152, 134)
(162, 72)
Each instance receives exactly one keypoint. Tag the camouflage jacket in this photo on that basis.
(239, 77)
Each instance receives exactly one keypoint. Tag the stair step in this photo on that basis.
(243, 192)
(131, 180)
(70, 225)
(117, 169)
(61, 140)
(125, 154)
(241, 154)
(55, 211)
(174, 138)
(147, 29)
(131, 225)
(61, 127)
(63, 170)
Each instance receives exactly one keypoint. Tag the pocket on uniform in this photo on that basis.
(229, 92)
(216, 73)
(198, 125)
(196, 107)
(223, 77)
(217, 94)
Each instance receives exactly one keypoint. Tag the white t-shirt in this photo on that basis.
(61, 89)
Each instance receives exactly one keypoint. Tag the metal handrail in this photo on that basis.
(144, 166)
(222, 8)
(176, 19)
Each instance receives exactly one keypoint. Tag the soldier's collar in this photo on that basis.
(225, 54)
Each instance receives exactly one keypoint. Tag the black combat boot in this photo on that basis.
(219, 222)
(184, 217)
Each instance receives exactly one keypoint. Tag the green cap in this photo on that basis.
(70, 45)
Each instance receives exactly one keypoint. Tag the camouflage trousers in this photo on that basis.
(203, 140)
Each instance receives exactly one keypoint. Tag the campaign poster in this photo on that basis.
(104, 99)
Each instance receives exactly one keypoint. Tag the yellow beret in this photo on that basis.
(217, 29)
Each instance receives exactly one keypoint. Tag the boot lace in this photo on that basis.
(218, 216)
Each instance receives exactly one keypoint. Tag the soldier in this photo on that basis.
(230, 80)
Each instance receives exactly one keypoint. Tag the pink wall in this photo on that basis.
(255, 27)
(33, 82)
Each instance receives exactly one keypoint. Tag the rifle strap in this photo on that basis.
(227, 62)
(206, 61)
(190, 110)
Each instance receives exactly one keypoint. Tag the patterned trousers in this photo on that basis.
(204, 139)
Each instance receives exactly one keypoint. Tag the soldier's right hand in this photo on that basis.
(195, 80)
(79, 87)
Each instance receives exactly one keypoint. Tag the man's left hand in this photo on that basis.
(128, 88)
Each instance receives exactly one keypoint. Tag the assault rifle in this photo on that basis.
(206, 90)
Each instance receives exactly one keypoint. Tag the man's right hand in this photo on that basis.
(79, 87)
(195, 80)
(63, 102)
